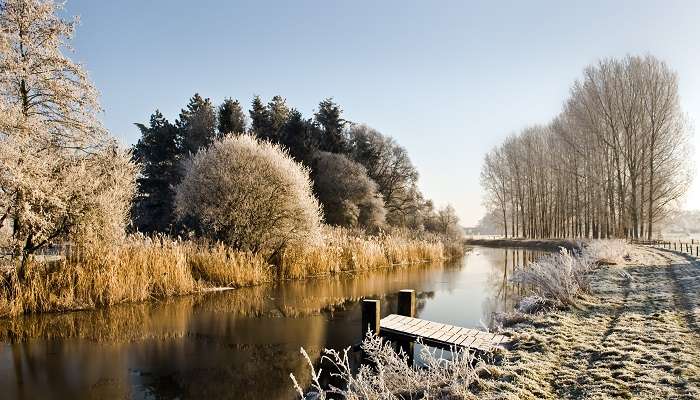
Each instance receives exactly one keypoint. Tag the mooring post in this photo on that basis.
(407, 308)
(407, 303)
(370, 317)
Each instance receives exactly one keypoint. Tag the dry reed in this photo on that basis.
(144, 268)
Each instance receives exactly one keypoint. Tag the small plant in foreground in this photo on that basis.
(392, 377)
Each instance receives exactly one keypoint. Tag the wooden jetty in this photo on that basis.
(403, 326)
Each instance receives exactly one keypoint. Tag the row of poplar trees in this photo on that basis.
(613, 163)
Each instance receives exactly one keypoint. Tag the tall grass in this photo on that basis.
(562, 277)
(391, 376)
(345, 250)
(144, 268)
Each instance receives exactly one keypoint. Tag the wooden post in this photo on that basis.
(407, 303)
(370, 317)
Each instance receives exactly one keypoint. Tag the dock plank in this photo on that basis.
(442, 335)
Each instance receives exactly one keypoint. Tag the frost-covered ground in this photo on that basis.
(636, 336)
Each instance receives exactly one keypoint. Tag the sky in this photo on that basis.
(448, 80)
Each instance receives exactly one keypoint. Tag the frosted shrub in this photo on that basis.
(251, 195)
(563, 276)
(391, 376)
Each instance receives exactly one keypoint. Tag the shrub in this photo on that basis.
(563, 276)
(349, 197)
(391, 376)
(251, 195)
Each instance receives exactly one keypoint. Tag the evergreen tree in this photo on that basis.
(158, 154)
(279, 114)
(231, 117)
(197, 125)
(260, 119)
(298, 137)
(329, 118)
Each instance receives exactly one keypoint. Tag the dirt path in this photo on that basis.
(638, 337)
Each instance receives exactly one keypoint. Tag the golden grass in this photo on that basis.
(344, 250)
(146, 268)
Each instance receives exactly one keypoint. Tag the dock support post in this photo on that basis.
(370, 317)
(407, 308)
(407, 303)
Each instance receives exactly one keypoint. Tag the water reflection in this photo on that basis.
(238, 344)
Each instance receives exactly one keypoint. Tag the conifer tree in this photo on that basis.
(259, 119)
(329, 118)
(197, 125)
(232, 119)
(158, 154)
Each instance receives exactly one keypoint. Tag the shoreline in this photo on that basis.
(637, 335)
(540, 244)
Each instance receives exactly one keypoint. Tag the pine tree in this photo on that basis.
(231, 117)
(279, 114)
(298, 137)
(158, 154)
(260, 119)
(196, 125)
(329, 118)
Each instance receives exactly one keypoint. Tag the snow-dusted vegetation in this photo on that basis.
(389, 375)
(242, 196)
(561, 277)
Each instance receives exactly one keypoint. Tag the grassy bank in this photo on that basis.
(146, 268)
(613, 321)
(540, 244)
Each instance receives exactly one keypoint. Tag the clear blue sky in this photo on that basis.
(449, 79)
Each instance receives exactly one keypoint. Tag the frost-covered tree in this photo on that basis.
(62, 176)
(251, 195)
(232, 119)
(613, 163)
(197, 125)
(349, 197)
(389, 166)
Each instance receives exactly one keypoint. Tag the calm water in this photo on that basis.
(237, 344)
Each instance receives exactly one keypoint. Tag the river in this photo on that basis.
(238, 344)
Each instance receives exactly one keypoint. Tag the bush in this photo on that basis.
(250, 195)
(349, 197)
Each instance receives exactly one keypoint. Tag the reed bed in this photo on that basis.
(345, 250)
(144, 268)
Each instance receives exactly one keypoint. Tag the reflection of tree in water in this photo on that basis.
(504, 293)
(227, 344)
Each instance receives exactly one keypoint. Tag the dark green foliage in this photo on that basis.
(329, 119)
(298, 137)
(232, 119)
(157, 153)
(261, 124)
(362, 177)
(197, 125)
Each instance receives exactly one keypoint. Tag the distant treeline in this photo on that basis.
(362, 178)
(612, 164)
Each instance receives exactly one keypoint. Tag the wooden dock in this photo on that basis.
(404, 327)
(440, 335)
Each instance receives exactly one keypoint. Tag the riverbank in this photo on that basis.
(142, 269)
(539, 244)
(636, 336)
